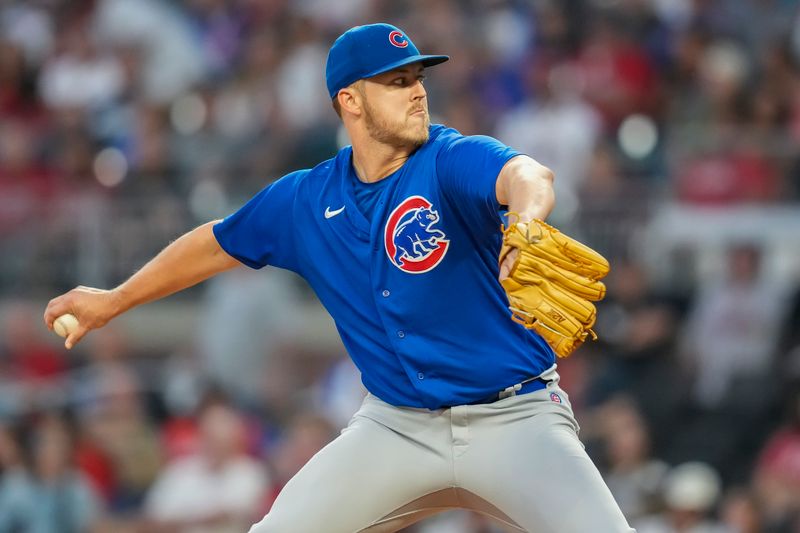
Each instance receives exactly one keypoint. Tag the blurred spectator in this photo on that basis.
(249, 320)
(218, 25)
(690, 492)
(496, 84)
(30, 26)
(52, 497)
(789, 339)
(113, 417)
(171, 58)
(777, 473)
(774, 98)
(613, 206)
(709, 85)
(247, 106)
(740, 511)
(327, 14)
(557, 127)
(731, 333)
(25, 183)
(305, 435)
(183, 389)
(724, 373)
(619, 77)
(340, 393)
(35, 363)
(510, 30)
(633, 475)
(637, 328)
(72, 245)
(559, 26)
(302, 99)
(152, 175)
(14, 479)
(96, 464)
(18, 98)
(81, 75)
(32, 371)
(459, 113)
(215, 490)
(152, 186)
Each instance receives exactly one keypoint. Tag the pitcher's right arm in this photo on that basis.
(194, 257)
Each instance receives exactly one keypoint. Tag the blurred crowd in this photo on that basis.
(124, 123)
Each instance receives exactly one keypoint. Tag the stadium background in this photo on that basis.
(673, 127)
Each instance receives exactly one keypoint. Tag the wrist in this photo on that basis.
(525, 216)
(119, 301)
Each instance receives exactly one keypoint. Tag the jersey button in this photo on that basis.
(401, 333)
(420, 375)
(386, 293)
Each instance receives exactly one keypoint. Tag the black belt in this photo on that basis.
(531, 385)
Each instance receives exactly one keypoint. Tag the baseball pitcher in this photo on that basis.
(405, 239)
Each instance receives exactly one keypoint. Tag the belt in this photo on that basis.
(529, 385)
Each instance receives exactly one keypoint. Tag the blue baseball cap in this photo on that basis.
(366, 51)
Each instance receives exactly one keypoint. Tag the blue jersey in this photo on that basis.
(413, 290)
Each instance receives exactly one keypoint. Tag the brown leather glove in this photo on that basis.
(552, 284)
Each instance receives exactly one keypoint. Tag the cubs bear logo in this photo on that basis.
(412, 242)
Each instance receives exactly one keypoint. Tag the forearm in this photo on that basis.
(187, 261)
(192, 258)
(526, 187)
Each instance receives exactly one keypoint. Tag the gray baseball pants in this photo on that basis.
(517, 460)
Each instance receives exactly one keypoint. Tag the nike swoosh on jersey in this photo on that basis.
(331, 214)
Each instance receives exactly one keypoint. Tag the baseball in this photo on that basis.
(65, 324)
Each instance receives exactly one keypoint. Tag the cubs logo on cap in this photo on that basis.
(398, 39)
(366, 51)
(413, 242)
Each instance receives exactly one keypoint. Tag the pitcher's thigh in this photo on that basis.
(537, 472)
(362, 476)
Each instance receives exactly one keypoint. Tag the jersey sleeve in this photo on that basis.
(261, 232)
(467, 168)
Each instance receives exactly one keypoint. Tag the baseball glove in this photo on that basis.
(552, 283)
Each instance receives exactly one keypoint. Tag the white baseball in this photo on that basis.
(65, 324)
